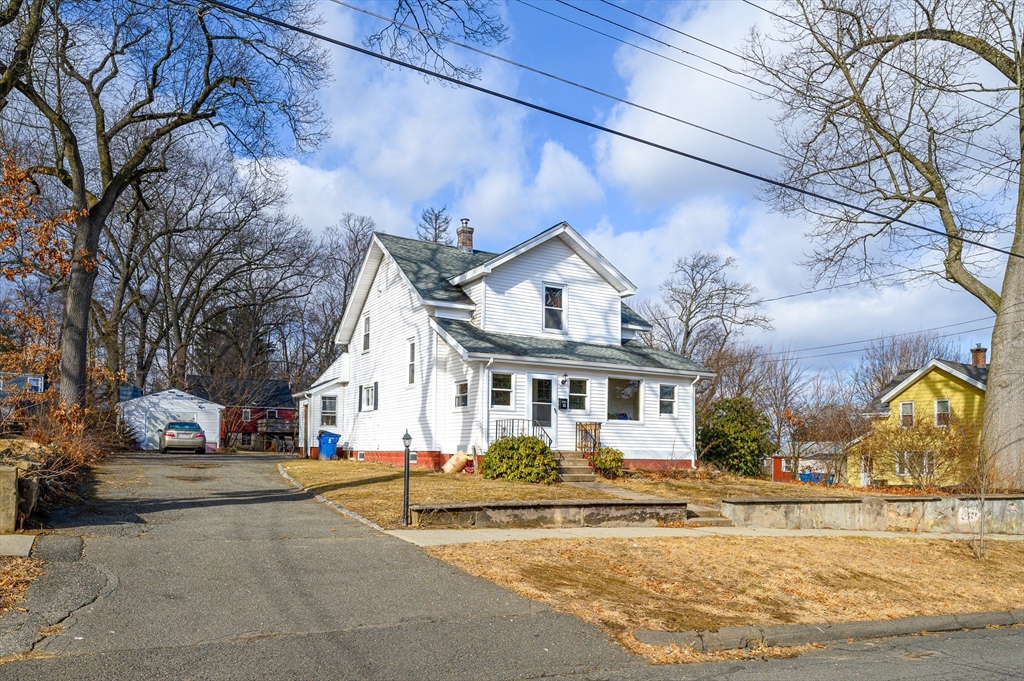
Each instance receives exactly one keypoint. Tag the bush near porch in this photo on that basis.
(523, 458)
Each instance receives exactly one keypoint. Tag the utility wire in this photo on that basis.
(768, 85)
(611, 131)
(898, 68)
(892, 335)
(642, 49)
(560, 79)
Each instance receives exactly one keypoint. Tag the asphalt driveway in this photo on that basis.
(221, 570)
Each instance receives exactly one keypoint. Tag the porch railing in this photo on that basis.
(588, 437)
(517, 427)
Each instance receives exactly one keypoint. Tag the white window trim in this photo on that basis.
(247, 415)
(365, 341)
(913, 416)
(512, 390)
(948, 412)
(787, 464)
(586, 396)
(640, 400)
(267, 415)
(361, 456)
(368, 396)
(675, 401)
(565, 308)
(333, 413)
(464, 407)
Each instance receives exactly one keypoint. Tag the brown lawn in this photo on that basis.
(374, 490)
(15, 576)
(710, 492)
(681, 584)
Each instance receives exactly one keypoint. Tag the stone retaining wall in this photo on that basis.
(568, 513)
(1004, 513)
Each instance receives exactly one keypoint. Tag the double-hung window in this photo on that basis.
(623, 399)
(328, 411)
(412, 361)
(942, 413)
(554, 308)
(366, 333)
(501, 390)
(578, 394)
(667, 400)
(461, 395)
(907, 414)
(247, 415)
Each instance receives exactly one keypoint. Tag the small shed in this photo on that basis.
(146, 416)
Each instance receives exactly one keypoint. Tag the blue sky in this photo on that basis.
(400, 144)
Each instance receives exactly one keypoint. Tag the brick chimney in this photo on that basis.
(978, 354)
(465, 236)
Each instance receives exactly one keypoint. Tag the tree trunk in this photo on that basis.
(1003, 431)
(74, 336)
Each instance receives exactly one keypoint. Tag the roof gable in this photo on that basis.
(573, 240)
(976, 376)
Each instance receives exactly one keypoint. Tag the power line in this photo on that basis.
(560, 79)
(747, 59)
(891, 335)
(862, 349)
(898, 68)
(642, 49)
(611, 131)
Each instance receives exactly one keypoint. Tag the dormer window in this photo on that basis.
(554, 308)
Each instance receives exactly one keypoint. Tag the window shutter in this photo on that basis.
(360, 407)
(375, 395)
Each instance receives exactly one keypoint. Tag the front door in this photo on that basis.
(542, 403)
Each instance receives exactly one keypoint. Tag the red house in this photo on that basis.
(259, 413)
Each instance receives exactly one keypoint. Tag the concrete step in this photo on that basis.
(576, 477)
(576, 470)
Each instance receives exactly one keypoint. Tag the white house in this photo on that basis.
(460, 346)
(147, 416)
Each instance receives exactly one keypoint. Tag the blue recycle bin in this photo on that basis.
(328, 444)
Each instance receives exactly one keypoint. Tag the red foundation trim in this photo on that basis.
(657, 464)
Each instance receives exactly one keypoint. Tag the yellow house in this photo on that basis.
(932, 395)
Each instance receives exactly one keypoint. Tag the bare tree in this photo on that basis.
(434, 226)
(913, 109)
(466, 20)
(888, 355)
(781, 392)
(20, 23)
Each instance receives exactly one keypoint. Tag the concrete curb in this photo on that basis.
(750, 637)
(324, 500)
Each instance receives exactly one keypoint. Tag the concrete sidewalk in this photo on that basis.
(445, 537)
(16, 544)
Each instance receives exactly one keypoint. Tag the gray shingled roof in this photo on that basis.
(241, 392)
(630, 353)
(979, 374)
(630, 316)
(429, 266)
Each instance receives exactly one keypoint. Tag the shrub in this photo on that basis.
(608, 462)
(735, 436)
(522, 459)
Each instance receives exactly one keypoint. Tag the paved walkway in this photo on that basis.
(443, 537)
(16, 544)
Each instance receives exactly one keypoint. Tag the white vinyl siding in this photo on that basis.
(514, 296)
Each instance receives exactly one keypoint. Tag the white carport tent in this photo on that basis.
(146, 416)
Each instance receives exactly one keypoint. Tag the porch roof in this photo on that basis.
(629, 354)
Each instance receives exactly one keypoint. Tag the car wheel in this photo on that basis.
(163, 450)
(201, 451)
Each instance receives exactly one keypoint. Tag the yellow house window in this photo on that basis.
(942, 412)
(907, 414)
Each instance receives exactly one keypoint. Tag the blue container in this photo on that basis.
(328, 444)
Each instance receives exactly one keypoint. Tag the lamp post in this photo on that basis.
(406, 440)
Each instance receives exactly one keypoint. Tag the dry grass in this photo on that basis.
(374, 490)
(681, 584)
(15, 576)
(710, 492)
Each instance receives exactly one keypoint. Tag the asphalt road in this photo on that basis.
(217, 569)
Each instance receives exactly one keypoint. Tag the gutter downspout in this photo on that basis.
(693, 417)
